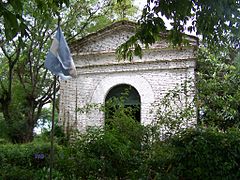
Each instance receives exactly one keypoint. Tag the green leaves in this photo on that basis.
(11, 13)
(123, 9)
(216, 21)
(17, 5)
(200, 153)
(10, 24)
(147, 34)
(218, 91)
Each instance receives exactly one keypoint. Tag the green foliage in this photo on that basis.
(25, 85)
(147, 33)
(3, 126)
(195, 154)
(127, 150)
(120, 152)
(216, 21)
(218, 90)
(26, 161)
(206, 154)
(13, 19)
(10, 12)
(123, 9)
(176, 111)
(116, 107)
(110, 151)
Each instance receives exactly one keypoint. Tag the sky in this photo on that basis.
(140, 3)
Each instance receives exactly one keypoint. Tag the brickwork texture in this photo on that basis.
(161, 69)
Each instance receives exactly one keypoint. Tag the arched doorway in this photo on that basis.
(126, 95)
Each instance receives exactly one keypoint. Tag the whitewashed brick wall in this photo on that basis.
(161, 69)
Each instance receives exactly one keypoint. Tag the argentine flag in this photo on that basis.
(59, 60)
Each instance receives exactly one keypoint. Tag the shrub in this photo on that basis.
(197, 154)
(218, 96)
(120, 152)
(110, 152)
(23, 161)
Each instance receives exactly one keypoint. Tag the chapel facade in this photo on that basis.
(100, 76)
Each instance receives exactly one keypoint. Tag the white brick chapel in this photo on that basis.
(162, 68)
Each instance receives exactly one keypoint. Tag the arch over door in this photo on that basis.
(128, 96)
(142, 86)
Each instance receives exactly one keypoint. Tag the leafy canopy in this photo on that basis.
(216, 21)
(218, 97)
(15, 21)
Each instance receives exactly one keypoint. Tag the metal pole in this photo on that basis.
(53, 117)
(52, 129)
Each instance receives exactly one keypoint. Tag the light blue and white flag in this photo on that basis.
(59, 60)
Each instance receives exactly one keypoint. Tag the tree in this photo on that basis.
(26, 86)
(13, 20)
(17, 54)
(218, 80)
(123, 9)
(216, 21)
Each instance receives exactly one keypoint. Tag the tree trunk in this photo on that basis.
(21, 130)
(29, 131)
(5, 103)
(31, 117)
(6, 111)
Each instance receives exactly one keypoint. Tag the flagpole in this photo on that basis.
(55, 65)
(53, 127)
(53, 116)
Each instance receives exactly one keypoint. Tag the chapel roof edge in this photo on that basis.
(122, 24)
(131, 25)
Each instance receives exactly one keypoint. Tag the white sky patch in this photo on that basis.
(42, 126)
(140, 3)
